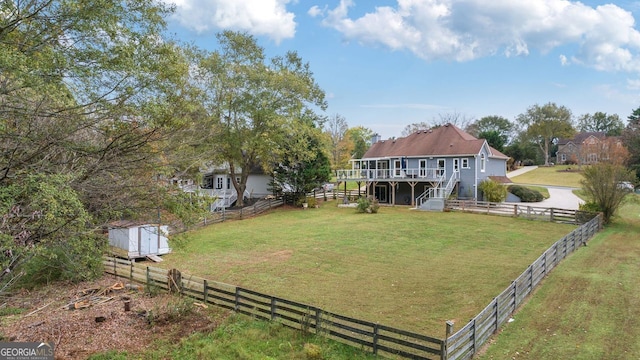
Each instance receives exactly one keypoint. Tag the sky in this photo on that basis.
(385, 64)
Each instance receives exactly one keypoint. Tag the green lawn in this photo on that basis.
(408, 269)
(558, 175)
(589, 306)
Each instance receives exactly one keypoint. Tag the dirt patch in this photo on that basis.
(104, 325)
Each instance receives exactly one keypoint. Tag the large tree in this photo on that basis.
(88, 95)
(602, 184)
(495, 129)
(303, 171)
(544, 124)
(361, 138)
(631, 140)
(252, 105)
(601, 122)
(340, 146)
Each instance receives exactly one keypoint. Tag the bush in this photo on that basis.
(528, 162)
(525, 194)
(493, 191)
(368, 205)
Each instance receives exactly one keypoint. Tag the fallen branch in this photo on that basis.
(36, 310)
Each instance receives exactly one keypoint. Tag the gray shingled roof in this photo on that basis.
(446, 140)
(580, 137)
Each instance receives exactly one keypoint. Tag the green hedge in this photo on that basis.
(525, 194)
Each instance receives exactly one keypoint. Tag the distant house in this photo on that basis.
(217, 182)
(426, 167)
(588, 148)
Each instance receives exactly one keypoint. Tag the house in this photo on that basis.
(588, 148)
(135, 240)
(426, 167)
(217, 183)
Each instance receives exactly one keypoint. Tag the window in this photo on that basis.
(228, 183)
(456, 164)
(219, 182)
(483, 161)
(396, 166)
(440, 168)
(422, 168)
(465, 163)
(563, 157)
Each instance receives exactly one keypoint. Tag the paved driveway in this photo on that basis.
(559, 197)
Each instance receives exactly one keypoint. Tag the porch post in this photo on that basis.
(413, 192)
(393, 192)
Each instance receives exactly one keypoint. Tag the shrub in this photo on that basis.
(313, 202)
(525, 194)
(368, 205)
(528, 162)
(493, 191)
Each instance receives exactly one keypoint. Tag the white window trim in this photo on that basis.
(462, 163)
(483, 163)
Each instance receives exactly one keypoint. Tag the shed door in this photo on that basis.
(148, 240)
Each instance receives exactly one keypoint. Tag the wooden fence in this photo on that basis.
(521, 210)
(465, 342)
(379, 339)
(242, 213)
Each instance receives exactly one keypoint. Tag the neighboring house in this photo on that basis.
(588, 148)
(427, 167)
(217, 182)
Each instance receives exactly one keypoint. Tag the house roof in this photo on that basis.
(445, 140)
(579, 138)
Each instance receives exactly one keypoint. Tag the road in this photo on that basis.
(559, 196)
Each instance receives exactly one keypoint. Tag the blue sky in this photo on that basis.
(389, 63)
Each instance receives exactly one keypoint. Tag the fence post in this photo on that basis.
(475, 344)
(375, 339)
(497, 314)
(317, 321)
(148, 276)
(273, 308)
(130, 270)
(237, 299)
(515, 295)
(551, 215)
(445, 343)
(205, 283)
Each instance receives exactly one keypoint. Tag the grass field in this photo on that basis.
(408, 269)
(558, 175)
(589, 307)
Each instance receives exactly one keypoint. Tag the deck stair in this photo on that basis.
(433, 198)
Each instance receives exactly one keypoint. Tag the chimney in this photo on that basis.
(375, 138)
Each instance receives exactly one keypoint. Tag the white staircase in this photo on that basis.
(433, 198)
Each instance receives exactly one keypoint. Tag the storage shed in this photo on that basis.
(133, 240)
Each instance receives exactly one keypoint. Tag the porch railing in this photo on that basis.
(430, 174)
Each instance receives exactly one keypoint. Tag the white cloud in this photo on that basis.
(258, 17)
(315, 11)
(604, 37)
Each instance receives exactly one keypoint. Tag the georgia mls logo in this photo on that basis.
(26, 351)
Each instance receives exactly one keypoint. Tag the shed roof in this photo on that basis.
(445, 140)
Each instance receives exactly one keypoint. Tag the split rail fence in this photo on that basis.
(377, 338)
(521, 210)
(374, 337)
(467, 341)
